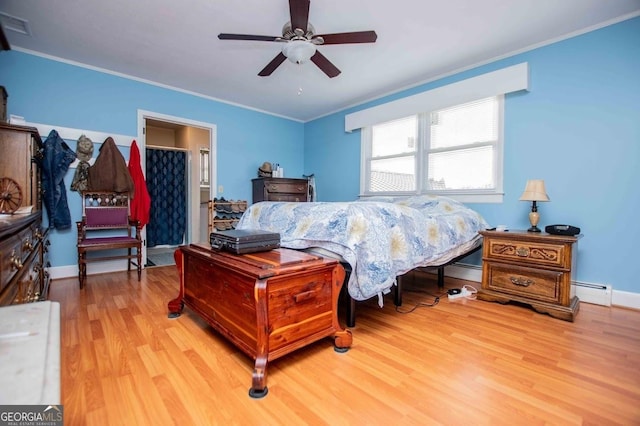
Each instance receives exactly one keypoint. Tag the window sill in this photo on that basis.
(463, 198)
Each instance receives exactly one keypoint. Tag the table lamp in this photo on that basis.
(534, 191)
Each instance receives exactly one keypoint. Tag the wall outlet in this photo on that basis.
(220, 189)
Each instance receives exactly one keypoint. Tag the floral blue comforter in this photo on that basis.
(380, 239)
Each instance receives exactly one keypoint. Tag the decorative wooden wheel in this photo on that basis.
(10, 195)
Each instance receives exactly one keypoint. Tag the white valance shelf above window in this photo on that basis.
(500, 82)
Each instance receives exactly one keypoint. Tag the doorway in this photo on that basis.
(166, 172)
(168, 136)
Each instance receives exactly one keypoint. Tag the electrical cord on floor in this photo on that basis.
(436, 300)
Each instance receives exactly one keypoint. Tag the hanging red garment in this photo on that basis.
(141, 202)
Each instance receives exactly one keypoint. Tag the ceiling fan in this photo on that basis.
(300, 41)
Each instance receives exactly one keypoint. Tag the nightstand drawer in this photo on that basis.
(527, 252)
(539, 284)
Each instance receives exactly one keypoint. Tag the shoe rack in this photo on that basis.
(225, 214)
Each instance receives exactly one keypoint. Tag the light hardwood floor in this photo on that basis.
(457, 363)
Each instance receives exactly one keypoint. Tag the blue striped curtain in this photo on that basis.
(166, 183)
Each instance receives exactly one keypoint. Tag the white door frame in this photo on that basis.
(193, 203)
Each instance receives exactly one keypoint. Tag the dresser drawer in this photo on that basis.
(275, 187)
(539, 284)
(29, 286)
(527, 252)
(11, 259)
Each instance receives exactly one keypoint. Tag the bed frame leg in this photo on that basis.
(397, 295)
(350, 311)
(441, 277)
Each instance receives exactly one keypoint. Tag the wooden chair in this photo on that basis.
(107, 226)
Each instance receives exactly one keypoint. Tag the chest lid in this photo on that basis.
(265, 263)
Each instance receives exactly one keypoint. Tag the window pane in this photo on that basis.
(462, 169)
(465, 124)
(394, 137)
(393, 174)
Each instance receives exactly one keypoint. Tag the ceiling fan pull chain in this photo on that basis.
(299, 66)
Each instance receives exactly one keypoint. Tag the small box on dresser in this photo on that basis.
(530, 268)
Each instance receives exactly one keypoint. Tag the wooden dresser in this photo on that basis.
(23, 240)
(531, 268)
(267, 304)
(280, 189)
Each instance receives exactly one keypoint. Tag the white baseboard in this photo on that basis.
(626, 299)
(598, 294)
(71, 271)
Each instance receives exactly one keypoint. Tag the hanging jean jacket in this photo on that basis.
(57, 159)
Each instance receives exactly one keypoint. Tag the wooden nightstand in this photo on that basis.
(531, 268)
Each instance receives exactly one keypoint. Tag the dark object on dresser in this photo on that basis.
(280, 189)
(562, 230)
(267, 304)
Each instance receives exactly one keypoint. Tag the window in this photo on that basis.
(455, 151)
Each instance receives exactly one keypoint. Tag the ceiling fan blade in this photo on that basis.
(299, 12)
(224, 36)
(345, 38)
(324, 64)
(271, 66)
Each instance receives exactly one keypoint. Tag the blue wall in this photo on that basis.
(578, 128)
(58, 94)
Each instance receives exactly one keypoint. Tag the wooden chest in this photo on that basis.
(531, 268)
(268, 304)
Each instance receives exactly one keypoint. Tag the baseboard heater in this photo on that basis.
(598, 294)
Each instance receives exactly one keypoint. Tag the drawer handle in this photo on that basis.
(305, 295)
(27, 245)
(522, 252)
(273, 187)
(523, 282)
(15, 261)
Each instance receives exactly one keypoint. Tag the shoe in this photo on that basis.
(220, 205)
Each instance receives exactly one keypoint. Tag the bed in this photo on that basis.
(379, 239)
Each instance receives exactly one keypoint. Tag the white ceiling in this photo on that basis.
(174, 43)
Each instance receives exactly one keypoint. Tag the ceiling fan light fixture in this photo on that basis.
(299, 51)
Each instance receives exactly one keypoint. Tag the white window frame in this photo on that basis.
(494, 195)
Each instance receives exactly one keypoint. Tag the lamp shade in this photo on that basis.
(534, 191)
(299, 51)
